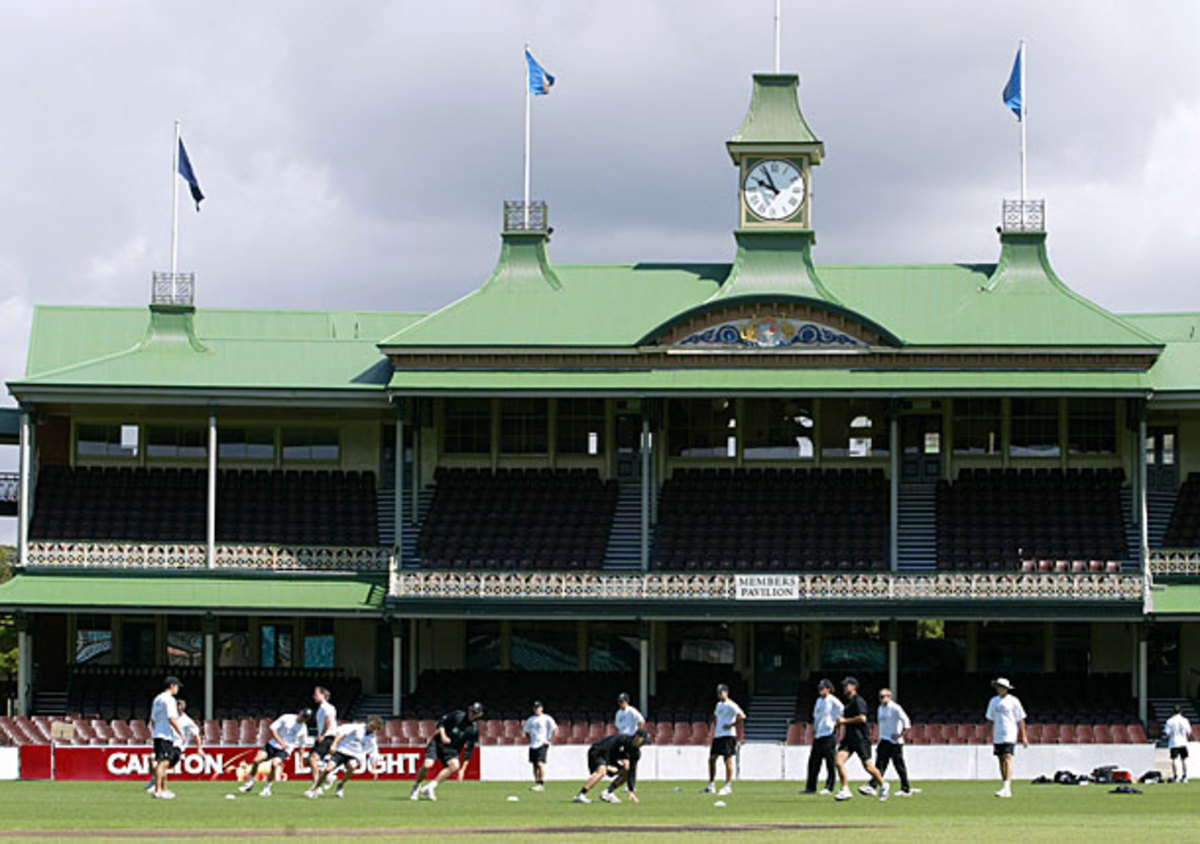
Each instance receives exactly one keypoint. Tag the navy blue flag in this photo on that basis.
(540, 80)
(189, 175)
(1014, 93)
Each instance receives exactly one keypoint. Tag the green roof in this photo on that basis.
(791, 381)
(263, 349)
(1178, 367)
(193, 592)
(774, 116)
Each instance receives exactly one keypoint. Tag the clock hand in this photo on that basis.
(767, 173)
(767, 185)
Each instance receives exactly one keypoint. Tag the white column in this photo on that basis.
(397, 669)
(24, 666)
(1143, 516)
(398, 486)
(1143, 665)
(23, 513)
(643, 673)
(894, 494)
(210, 537)
(645, 519)
(210, 668)
(894, 663)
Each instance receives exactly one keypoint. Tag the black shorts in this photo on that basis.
(163, 750)
(723, 746)
(537, 755)
(341, 759)
(596, 761)
(321, 748)
(274, 752)
(886, 752)
(1179, 752)
(1006, 748)
(440, 752)
(855, 746)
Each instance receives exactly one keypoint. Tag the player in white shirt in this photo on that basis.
(1178, 731)
(351, 750)
(726, 718)
(189, 732)
(1008, 726)
(893, 722)
(540, 728)
(288, 733)
(164, 719)
(826, 712)
(326, 715)
(628, 719)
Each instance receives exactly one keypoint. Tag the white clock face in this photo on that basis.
(774, 189)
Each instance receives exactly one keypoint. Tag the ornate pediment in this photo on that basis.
(771, 332)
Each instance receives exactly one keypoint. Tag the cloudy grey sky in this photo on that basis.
(356, 155)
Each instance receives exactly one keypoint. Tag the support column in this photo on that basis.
(414, 477)
(972, 646)
(23, 501)
(397, 669)
(643, 670)
(1143, 518)
(1143, 675)
(1136, 461)
(894, 493)
(24, 665)
(1048, 655)
(398, 487)
(506, 644)
(645, 516)
(894, 659)
(210, 534)
(210, 665)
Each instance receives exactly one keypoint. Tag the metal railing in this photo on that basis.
(10, 486)
(522, 217)
(173, 289)
(191, 555)
(1023, 215)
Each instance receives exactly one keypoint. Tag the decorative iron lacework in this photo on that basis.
(820, 587)
(771, 332)
(1176, 561)
(113, 555)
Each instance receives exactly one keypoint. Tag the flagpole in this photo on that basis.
(778, 9)
(528, 98)
(1024, 120)
(175, 211)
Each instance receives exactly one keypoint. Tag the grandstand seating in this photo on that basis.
(518, 519)
(98, 692)
(773, 519)
(1032, 520)
(168, 505)
(1183, 531)
(568, 695)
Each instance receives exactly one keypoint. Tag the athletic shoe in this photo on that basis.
(844, 794)
(709, 789)
(885, 791)
(310, 794)
(1004, 792)
(339, 793)
(150, 787)
(808, 791)
(164, 795)
(908, 792)
(582, 798)
(725, 791)
(609, 797)
(266, 792)
(246, 787)
(416, 793)
(537, 787)
(825, 792)
(430, 791)
(866, 791)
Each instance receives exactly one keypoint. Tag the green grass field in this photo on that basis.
(956, 811)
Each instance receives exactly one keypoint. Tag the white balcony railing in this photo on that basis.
(1175, 562)
(186, 556)
(575, 586)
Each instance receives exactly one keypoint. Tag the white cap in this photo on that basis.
(1003, 683)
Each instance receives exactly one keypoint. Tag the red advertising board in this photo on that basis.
(135, 763)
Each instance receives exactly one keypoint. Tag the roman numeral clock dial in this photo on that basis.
(774, 189)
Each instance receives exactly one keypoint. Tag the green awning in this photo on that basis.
(193, 593)
(741, 381)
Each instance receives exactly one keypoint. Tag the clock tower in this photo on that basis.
(775, 152)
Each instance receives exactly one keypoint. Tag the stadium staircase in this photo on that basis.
(386, 512)
(917, 509)
(366, 705)
(768, 716)
(50, 703)
(1133, 557)
(1160, 504)
(624, 551)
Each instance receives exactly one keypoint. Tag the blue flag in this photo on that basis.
(189, 175)
(540, 80)
(1014, 93)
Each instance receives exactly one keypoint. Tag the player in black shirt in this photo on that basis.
(614, 756)
(856, 740)
(456, 732)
